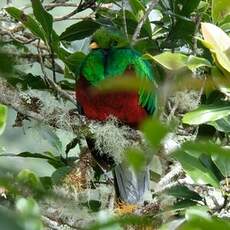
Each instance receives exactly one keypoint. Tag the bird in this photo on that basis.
(111, 57)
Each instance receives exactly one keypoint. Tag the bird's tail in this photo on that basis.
(131, 185)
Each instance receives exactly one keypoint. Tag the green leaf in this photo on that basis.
(206, 114)
(193, 166)
(220, 9)
(27, 207)
(189, 7)
(180, 191)
(154, 131)
(177, 61)
(29, 213)
(9, 220)
(3, 118)
(200, 219)
(6, 64)
(27, 21)
(43, 17)
(135, 158)
(30, 179)
(52, 160)
(80, 30)
(59, 174)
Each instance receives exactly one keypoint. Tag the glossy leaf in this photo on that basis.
(27, 21)
(206, 113)
(43, 17)
(219, 44)
(194, 167)
(3, 118)
(177, 61)
(80, 30)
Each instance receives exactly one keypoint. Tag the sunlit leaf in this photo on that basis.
(220, 44)
(220, 9)
(206, 113)
(176, 61)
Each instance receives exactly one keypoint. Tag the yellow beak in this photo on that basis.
(93, 45)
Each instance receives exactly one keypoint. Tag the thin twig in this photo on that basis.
(124, 19)
(142, 21)
(53, 85)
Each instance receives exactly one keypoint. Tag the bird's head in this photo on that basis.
(104, 38)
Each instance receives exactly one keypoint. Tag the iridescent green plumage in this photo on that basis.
(111, 61)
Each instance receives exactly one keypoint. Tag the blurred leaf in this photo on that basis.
(59, 174)
(3, 118)
(9, 220)
(181, 191)
(123, 221)
(80, 30)
(176, 61)
(27, 21)
(42, 16)
(219, 44)
(135, 158)
(154, 131)
(29, 213)
(27, 207)
(220, 9)
(125, 84)
(200, 219)
(30, 179)
(6, 64)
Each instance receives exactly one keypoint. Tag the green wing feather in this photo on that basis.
(93, 67)
(117, 63)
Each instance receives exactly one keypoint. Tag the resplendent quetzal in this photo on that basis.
(111, 57)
